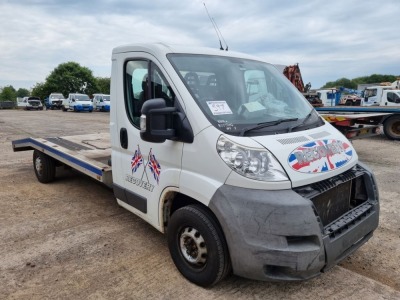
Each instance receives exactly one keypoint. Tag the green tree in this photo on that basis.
(353, 83)
(103, 83)
(40, 90)
(71, 77)
(21, 92)
(342, 82)
(8, 93)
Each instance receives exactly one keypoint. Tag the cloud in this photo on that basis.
(329, 40)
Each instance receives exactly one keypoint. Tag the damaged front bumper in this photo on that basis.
(297, 234)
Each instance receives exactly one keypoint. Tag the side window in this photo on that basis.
(392, 97)
(135, 79)
(138, 89)
(159, 86)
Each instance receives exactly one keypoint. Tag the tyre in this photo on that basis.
(44, 166)
(197, 245)
(349, 103)
(63, 108)
(391, 127)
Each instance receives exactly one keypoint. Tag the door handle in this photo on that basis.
(123, 138)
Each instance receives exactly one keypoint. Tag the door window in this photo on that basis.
(138, 87)
(393, 97)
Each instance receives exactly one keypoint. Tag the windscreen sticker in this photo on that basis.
(219, 107)
(320, 156)
(254, 106)
(152, 164)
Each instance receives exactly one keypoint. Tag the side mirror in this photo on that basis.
(73, 100)
(159, 122)
(156, 121)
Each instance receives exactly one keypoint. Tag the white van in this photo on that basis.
(77, 102)
(101, 102)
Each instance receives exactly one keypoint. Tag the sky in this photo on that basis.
(328, 39)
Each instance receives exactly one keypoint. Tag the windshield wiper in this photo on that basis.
(302, 123)
(265, 124)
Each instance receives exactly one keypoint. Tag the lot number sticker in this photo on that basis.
(219, 108)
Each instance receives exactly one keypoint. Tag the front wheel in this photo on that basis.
(44, 166)
(197, 245)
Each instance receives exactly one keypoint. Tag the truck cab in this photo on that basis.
(329, 97)
(223, 154)
(388, 97)
(101, 102)
(373, 95)
(77, 102)
(54, 101)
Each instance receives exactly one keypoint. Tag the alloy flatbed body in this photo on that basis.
(89, 153)
(358, 109)
(363, 121)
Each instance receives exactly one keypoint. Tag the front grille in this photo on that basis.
(334, 197)
(333, 203)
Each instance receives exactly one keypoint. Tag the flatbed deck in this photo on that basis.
(89, 153)
(359, 109)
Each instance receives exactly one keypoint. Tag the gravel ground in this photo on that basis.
(70, 239)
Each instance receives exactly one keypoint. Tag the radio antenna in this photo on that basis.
(226, 49)
(219, 35)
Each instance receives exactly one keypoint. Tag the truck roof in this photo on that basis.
(162, 49)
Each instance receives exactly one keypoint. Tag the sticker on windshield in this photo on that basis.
(254, 106)
(219, 107)
(320, 156)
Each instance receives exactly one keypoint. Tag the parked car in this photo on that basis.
(33, 103)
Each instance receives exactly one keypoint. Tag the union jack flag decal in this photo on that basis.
(137, 160)
(320, 156)
(154, 166)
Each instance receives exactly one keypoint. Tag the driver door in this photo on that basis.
(146, 169)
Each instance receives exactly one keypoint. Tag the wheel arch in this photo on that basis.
(172, 200)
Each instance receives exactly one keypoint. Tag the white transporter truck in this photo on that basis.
(249, 181)
(77, 102)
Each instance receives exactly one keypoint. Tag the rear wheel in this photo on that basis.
(349, 103)
(391, 127)
(197, 245)
(44, 166)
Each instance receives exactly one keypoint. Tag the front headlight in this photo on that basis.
(254, 163)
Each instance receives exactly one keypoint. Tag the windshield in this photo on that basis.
(56, 96)
(236, 94)
(82, 98)
(34, 102)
